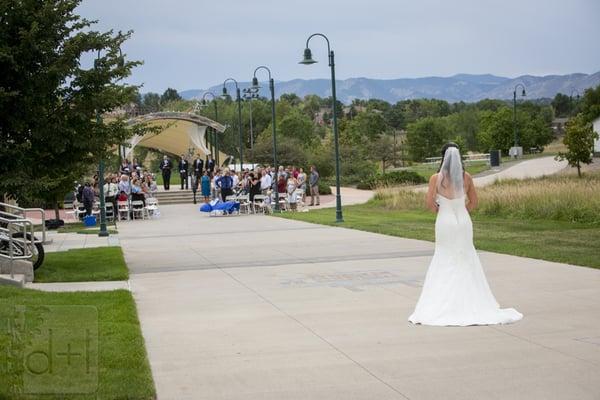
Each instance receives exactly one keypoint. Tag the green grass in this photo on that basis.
(120, 362)
(175, 179)
(426, 170)
(560, 241)
(79, 227)
(83, 265)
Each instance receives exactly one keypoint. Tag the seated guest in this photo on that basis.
(122, 196)
(124, 185)
(136, 192)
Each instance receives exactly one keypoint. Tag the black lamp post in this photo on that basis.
(103, 231)
(307, 60)
(249, 95)
(515, 113)
(239, 102)
(215, 134)
(256, 87)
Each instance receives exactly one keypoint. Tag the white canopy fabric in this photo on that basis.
(180, 132)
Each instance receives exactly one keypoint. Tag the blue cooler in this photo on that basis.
(89, 220)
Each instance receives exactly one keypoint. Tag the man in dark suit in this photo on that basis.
(165, 167)
(183, 172)
(210, 165)
(198, 167)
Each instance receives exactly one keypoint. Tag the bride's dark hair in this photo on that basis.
(444, 148)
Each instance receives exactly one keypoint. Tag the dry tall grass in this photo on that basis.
(560, 197)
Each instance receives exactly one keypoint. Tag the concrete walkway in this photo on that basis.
(257, 307)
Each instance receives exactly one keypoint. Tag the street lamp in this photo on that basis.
(307, 60)
(249, 95)
(103, 231)
(256, 87)
(523, 94)
(239, 102)
(216, 136)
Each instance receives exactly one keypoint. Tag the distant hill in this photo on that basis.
(461, 87)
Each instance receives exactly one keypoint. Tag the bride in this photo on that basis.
(456, 292)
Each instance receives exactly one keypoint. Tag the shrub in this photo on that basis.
(393, 178)
(324, 188)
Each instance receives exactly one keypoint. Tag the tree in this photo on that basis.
(579, 139)
(497, 129)
(49, 135)
(151, 102)
(562, 105)
(590, 104)
(297, 125)
(382, 149)
(170, 95)
(426, 137)
(364, 128)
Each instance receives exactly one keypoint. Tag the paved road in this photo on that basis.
(257, 307)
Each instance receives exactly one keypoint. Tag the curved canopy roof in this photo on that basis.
(180, 133)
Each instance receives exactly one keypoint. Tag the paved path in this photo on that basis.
(257, 307)
(68, 241)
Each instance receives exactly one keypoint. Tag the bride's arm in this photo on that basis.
(431, 192)
(471, 194)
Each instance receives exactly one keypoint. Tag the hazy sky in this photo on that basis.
(189, 44)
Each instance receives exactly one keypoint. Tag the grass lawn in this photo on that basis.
(561, 241)
(79, 227)
(102, 325)
(175, 179)
(426, 170)
(83, 265)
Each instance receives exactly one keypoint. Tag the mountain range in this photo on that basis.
(460, 87)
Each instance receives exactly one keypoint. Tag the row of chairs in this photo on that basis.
(261, 205)
(125, 210)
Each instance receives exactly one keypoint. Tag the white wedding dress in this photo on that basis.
(456, 291)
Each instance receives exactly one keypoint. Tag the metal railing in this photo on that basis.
(467, 158)
(22, 211)
(15, 231)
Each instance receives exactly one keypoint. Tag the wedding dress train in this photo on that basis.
(456, 291)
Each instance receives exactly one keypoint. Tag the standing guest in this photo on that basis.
(281, 184)
(125, 167)
(302, 182)
(216, 191)
(292, 185)
(295, 172)
(225, 183)
(265, 181)
(210, 165)
(165, 166)
(281, 172)
(236, 179)
(254, 186)
(205, 183)
(136, 166)
(313, 182)
(198, 166)
(111, 190)
(88, 198)
(183, 172)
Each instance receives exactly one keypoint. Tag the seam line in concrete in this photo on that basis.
(543, 346)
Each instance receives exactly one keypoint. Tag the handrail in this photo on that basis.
(26, 210)
(6, 233)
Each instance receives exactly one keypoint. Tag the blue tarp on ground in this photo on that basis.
(227, 206)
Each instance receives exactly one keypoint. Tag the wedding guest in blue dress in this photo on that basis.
(205, 186)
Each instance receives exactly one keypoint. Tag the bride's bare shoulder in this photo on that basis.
(433, 178)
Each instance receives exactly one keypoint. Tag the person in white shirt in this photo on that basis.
(236, 179)
(215, 187)
(265, 181)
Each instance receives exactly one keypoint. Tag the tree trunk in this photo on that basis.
(578, 169)
(56, 210)
(383, 166)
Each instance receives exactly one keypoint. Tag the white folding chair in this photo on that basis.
(123, 210)
(71, 210)
(152, 207)
(110, 211)
(137, 208)
(259, 202)
(283, 204)
(244, 201)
